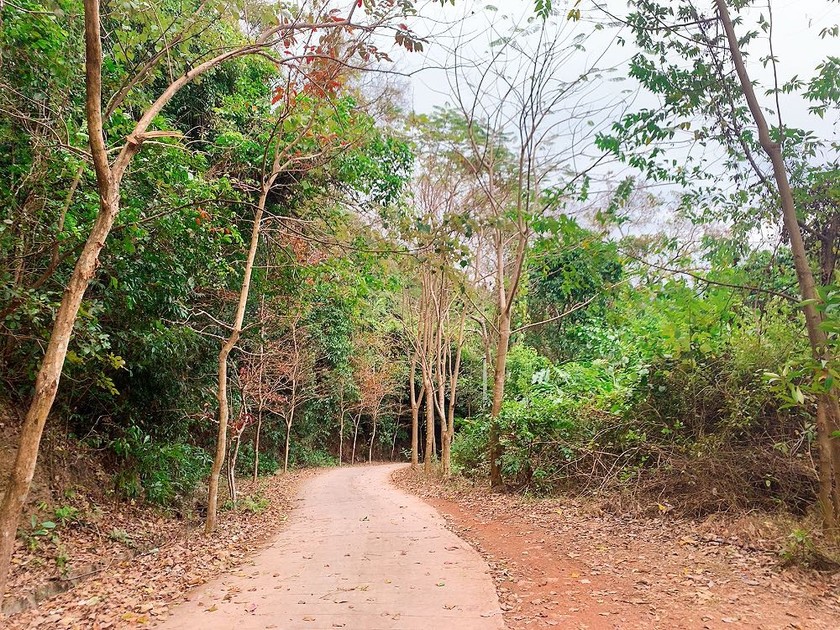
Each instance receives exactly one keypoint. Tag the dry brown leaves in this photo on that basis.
(174, 557)
(564, 563)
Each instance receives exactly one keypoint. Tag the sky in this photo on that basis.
(470, 25)
(796, 37)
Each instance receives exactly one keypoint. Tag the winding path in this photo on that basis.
(357, 553)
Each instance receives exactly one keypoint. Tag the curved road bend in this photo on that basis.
(357, 553)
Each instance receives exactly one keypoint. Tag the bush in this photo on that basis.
(304, 456)
(469, 448)
(245, 463)
(162, 472)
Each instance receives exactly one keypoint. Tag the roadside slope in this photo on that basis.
(558, 564)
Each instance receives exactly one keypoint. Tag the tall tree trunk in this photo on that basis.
(49, 374)
(484, 363)
(430, 428)
(341, 430)
(828, 409)
(260, 401)
(415, 413)
(234, 496)
(257, 445)
(227, 347)
(221, 435)
(288, 442)
(356, 424)
(453, 395)
(372, 438)
(495, 450)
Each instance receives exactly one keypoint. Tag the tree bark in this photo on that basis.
(227, 347)
(341, 428)
(453, 394)
(828, 409)
(288, 443)
(495, 449)
(430, 428)
(49, 374)
(372, 438)
(257, 445)
(356, 424)
(415, 413)
(232, 470)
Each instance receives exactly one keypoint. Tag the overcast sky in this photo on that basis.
(796, 36)
(471, 25)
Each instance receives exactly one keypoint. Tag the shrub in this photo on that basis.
(469, 448)
(245, 463)
(304, 456)
(163, 472)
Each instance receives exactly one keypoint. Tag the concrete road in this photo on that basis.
(357, 553)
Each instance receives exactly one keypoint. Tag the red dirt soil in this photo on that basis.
(558, 564)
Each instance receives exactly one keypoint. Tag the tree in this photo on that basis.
(126, 144)
(698, 64)
(517, 132)
(322, 79)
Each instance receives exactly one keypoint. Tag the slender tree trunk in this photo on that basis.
(484, 397)
(430, 428)
(288, 442)
(444, 446)
(227, 347)
(257, 446)
(260, 401)
(234, 495)
(415, 413)
(356, 424)
(828, 409)
(495, 450)
(441, 312)
(372, 438)
(341, 431)
(453, 395)
(49, 374)
(221, 435)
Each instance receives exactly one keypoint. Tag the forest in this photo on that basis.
(242, 238)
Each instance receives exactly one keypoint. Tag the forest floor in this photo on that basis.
(563, 563)
(344, 548)
(127, 565)
(335, 548)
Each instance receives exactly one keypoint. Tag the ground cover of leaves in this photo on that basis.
(144, 562)
(561, 563)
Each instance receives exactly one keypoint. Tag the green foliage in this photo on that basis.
(141, 365)
(573, 273)
(268, 464)
(304, 456)
(66, 514)
(40, 530)
(673, 369)
(632, 368)
(469, 448)
(255, 504)
(162, 472)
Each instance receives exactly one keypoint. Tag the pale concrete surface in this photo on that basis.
(357, 553)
